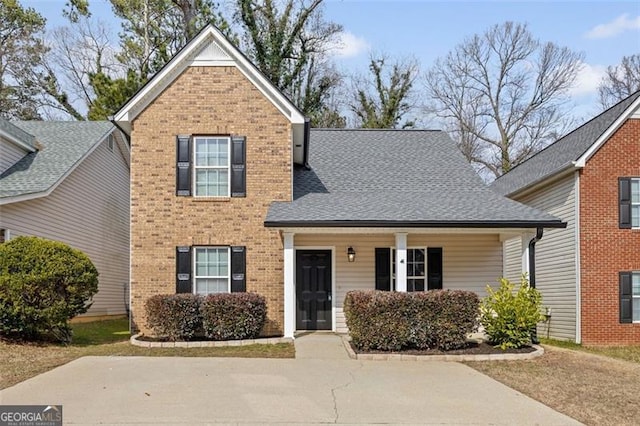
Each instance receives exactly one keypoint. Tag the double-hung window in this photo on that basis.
(415, 269)
(423, 265)
(211, 270)
(211, 162)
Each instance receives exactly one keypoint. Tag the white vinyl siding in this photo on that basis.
(9, 154)
(556, 258)
(470, 262)
(89, 211)
(512, 259)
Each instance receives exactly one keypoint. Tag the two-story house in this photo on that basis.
(588, 273)
(232, 191)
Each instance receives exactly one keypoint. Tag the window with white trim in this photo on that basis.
(416, 266)
(635, 295)
(211, 270)
(635, 203)
(211, 161)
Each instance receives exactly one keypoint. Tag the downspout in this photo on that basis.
(532, 257)
(532, 273)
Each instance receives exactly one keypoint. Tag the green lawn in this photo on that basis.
(100, 332)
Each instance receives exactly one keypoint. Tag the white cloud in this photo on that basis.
(610, 29)
(588, 79)
(348, 45)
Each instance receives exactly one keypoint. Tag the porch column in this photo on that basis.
(401, 261)
(289, 286)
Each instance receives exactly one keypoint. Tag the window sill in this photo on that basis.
(212, 199)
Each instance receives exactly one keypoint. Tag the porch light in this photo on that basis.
(351, 254)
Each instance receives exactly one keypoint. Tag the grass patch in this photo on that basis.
(593, 390)
(627, 353)
(22, 360)
(100, 332)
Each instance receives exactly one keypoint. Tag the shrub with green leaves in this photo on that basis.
(233, 316)
(509, 317)
(174, 316)
(391, 321)
(43, 284)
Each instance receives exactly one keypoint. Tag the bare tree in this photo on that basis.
(502, 94)
(620, 81)
(382, 99)
(289, 41)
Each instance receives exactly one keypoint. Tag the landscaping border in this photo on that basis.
(209, 344)
(456, 358)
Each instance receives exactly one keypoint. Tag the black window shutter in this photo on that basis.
(238, 269)
(383, 269)
(434, 268)
(183, 165)
(238, 167)
(624, 202)
(183, 269)
(626, 299)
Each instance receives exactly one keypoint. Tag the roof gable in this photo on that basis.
(64, 146)
(208, 48)
(569, 152)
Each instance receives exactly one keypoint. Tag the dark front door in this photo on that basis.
(313, 289)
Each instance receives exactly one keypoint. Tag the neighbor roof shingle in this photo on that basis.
(61, 145)
(396, 178)
(562, 153)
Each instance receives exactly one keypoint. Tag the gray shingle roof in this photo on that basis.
(560, 154)
(17, 133)
(62, 144)
(394, 178)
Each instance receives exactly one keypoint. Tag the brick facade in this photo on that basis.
(605, 249)
(209, 101)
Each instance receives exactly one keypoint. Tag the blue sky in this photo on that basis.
(604, 30)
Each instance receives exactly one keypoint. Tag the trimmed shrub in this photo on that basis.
(174, 316)
(377, 320)
(510, 318)
(43, 284)
(233, 316)
(391, 321)
(443, 318)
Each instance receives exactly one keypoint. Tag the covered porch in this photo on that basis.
(321, 265)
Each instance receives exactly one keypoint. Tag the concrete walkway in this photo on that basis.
(321, 386)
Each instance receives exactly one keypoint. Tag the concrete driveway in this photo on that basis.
(320, 386)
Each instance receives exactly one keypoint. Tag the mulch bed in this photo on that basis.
(471, 349)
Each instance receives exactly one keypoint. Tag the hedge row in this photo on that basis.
(392, 321)
(225, 316)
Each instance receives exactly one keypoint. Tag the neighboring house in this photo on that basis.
(588, 273)
(69, 181)
(231, 191)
